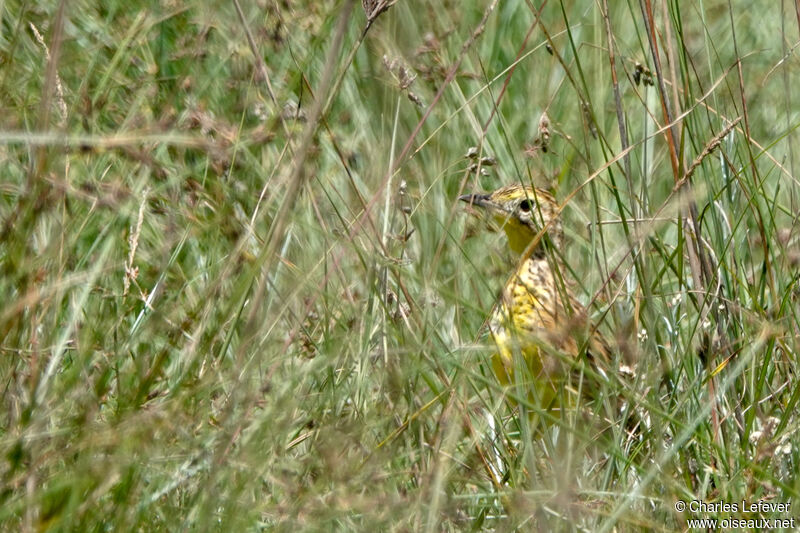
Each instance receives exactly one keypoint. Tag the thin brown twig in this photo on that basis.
(797, 12)
(623, 133)
(647, 15)
(297, 178)
(513, 68)
(261, 69)
(746, 115)
(359, 224)
(710, 147)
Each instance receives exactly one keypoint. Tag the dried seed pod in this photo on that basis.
(373, 8)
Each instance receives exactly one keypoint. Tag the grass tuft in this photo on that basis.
(240, 294)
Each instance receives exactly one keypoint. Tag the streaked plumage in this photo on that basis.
(537, 316)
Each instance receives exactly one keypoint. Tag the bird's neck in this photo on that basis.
(517, 241)
(519, 238)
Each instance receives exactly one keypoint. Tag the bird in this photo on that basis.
(537, 315)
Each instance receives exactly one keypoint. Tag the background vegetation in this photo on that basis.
(239, 293)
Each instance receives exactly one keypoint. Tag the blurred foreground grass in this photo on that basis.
(239, 294)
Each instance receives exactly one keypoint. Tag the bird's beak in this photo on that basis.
(481, 200)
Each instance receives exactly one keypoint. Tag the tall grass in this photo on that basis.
(239, 292)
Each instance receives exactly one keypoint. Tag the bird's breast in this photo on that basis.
(531, 314)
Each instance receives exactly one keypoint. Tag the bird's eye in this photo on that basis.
(525, 206)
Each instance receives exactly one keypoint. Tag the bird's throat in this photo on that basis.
(519, 237)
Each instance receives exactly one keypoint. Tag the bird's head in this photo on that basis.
(522, 211)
